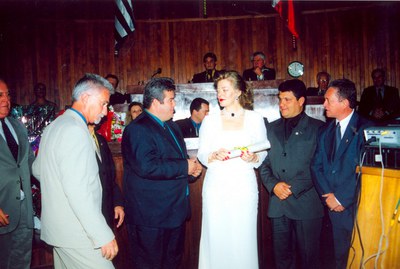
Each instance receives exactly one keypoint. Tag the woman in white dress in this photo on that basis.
(230, 193)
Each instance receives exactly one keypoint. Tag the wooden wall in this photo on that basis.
(346, 42)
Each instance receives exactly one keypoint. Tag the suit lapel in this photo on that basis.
(348, 136)
(280, 132)
(21, 145)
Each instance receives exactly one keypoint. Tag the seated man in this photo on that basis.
(259, 70)
(198, 110)
(380, 103)
(210, 62)
(117, 97)
(323, 79)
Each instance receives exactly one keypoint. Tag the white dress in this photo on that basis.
(230, 195)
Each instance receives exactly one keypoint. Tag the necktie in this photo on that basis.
(12, 144)
(338, 136)
(97, 145)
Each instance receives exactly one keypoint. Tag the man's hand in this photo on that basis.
(119, 214)
(258, 71)
(3, 218)
(282, 190)
(194, 167)
(333, 203)
(110, 250)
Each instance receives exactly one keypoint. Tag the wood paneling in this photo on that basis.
(346, 42)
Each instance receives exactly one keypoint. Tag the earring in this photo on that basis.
(237, 98)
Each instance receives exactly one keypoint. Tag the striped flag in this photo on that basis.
(123, 22)
(286, 11)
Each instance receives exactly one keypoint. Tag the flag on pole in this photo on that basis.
(286, 12)
(124, 22)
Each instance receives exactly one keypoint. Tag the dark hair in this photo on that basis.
(155, 88)
(196, 104)
(39, 85)
(135, 104)
(210, 55)
(378, 70)
(323, 73)
(114, 77)
(246, 98)
(294, 85)
(346, 89)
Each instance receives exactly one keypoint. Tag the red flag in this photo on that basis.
(286, 12)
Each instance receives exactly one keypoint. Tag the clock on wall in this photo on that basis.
(295, 69)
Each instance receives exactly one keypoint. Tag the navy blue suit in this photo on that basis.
(337, 174)
(155, 190)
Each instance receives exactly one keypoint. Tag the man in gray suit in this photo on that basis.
(16, 216)
(294, 206)
(66, 166)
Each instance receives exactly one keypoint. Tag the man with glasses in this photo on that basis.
(323, 79)
(16, 213)
(72, 220)
(259, 70)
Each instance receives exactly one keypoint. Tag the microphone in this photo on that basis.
(158, 71)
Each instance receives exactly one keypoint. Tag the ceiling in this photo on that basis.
(149, 9)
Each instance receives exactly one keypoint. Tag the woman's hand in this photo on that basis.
(249, 157)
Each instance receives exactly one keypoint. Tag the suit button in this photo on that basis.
(283, 170)
(333, 171)
(17, 198)
(284, 154)
(18, 165)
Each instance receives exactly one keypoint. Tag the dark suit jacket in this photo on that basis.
(155, 174)
(338, 175)
(187, 128)
(112, 195)
(202, 77)
(313, 91)
(269, 74)
(391, 103)
(290, 163)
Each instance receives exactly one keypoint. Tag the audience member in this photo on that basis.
(41, 110)
(210, 62)
(230, 192)
(156, 176)
(16, 213)
(259, 70)
(190, 127)
(380, 103)
(72, 221)
(134, 110)
(294, 206)
(323, 79)
(117, 97)
(333, 168)
(112, 200)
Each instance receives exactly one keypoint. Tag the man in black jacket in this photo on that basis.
(199, 108)
(210, 62)
(259, 70)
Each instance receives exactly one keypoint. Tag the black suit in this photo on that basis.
(155, 189)
(249, 75)
(112, 196)
(336, 173)
(289, 161)
(204, 77)
(187, 128)
(390, 103)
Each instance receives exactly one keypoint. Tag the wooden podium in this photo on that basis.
(371, 223)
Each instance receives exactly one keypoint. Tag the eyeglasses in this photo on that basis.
(5, 94)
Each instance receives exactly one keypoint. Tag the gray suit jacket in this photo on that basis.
(71, 190)
(11, 173)
(290, 162)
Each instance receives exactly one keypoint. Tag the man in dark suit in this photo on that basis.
(16, 213)
(210, 62)
(294, 206)
(199, 108)
(156, 176)
(340, 144)
(380, 103)
(117, 97)
(259, 70)
(323, 79)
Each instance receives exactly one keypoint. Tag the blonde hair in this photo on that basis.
(246, 98)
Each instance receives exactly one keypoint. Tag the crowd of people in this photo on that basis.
(307, 166)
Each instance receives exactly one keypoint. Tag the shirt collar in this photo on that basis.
(80, 114)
